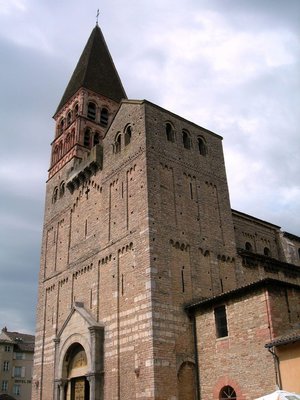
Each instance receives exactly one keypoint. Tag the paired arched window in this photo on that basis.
(202, 146)
(128, 134)
(227, 392)
(91, 111)
(248, 246)
(170, 133)
(186, 139)
(104, 117)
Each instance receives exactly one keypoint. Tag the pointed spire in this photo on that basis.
(95, 71)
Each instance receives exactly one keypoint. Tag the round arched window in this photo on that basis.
(227, 392)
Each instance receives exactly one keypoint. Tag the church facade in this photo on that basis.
(137, 225)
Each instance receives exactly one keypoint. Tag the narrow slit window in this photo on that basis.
(182, 280)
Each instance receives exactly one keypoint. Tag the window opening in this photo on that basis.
(248, 246)
(267, 252)
(4, 386)
(170, 132)
(55, 195)
(182, 279)
(221, 321)
(191, 190)
(16, 389)
(186, 140)
(6, 366)
(61, 126)
(118, 143)
(76, 110)
(104, 117)
(7, 348)
(227, 392)
(62, 189)
(86, 139)
(18, 372)
(69, 118)
(128, 133)
(96, 139)
(91, 114)
(202, 147)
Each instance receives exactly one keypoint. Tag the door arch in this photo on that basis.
(75, 367)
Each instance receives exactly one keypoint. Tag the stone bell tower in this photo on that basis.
(137, 223)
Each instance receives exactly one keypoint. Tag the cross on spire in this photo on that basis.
(97, 16)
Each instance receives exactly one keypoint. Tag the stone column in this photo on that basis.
(60, 389)
(91, 380)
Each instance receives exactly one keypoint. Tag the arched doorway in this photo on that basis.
(75, 366)
(187, 381)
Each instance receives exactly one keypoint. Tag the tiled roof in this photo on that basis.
(95, 71)
(238, 292)
(291, 337)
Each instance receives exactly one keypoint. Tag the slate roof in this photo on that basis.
(96, 71)
(21, 341)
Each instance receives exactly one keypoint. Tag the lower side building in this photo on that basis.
(247, 341)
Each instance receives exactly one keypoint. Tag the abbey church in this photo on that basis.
(151, 287)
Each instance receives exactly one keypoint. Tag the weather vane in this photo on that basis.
(97, 16)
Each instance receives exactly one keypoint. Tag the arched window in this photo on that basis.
(61, 126)
(69, 118)
(61, 189)
(96, 139)
(202, 146)
(76, 110)
(118, 143)
(55, 154)
(55, 195)
(128, 133)
(186, 139)
(267, 252)
(104, 117)
(248, 246)
(227, 392)
(86, 138)
(170, 132)
(91, 112)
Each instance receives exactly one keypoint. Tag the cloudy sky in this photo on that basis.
(231, 66)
